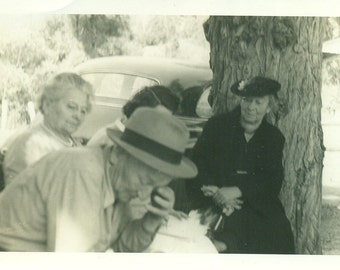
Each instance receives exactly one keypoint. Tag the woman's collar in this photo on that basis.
(68, 143)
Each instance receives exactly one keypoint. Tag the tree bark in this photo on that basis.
(288, 49)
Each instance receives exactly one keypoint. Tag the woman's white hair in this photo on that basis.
(61, 83)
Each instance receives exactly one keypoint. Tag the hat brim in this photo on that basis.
(186, 168)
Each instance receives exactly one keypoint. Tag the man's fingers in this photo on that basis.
(157, 211)
(163, 197)
(178, 214)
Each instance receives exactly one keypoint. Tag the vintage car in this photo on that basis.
(118, 78)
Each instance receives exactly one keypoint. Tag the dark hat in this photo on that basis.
(256, 87)
(157, 139)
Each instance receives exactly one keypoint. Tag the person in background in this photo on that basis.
(157, 96)
(194, 109)
(240, 172)
(189, 100)
(196, 101)
(74, 199)
(64, 103)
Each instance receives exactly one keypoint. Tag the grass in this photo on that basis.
(330, 229)
(330, 218)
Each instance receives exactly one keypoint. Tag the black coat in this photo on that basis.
(224, 158)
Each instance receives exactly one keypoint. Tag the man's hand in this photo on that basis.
(179, 214)
(164, 200)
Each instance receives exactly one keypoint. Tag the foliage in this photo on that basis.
(15, 84)
(28, 60)
(63, 41)
(169, 36)
(332, 28)
(95, 32)
(163, 36)
(331, 71)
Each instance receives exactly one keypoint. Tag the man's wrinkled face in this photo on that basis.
(139, 184)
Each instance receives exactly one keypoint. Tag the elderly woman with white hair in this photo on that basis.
(64, 103)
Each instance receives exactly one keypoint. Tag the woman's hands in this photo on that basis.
(228, 198)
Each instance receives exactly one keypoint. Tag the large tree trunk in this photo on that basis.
(287, 49)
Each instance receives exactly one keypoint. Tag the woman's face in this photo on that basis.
(65, 115)
(253, 109)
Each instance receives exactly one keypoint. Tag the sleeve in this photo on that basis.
(14, 161)
(74, 212)
(267, 181)
(25, 150)
(37, 146)
(134, 238)
(202, 154)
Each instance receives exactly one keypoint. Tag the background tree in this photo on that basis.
(94, 32)
(34, 51)
(330, 72)
(288, 49)
(169, 36)
(29, 58)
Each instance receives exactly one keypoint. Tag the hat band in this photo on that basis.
(152, 147)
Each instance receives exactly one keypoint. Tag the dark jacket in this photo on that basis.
(224, 158)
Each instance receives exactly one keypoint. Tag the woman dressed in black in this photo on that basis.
(239, 159)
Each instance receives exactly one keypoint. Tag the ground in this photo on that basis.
(330, 220)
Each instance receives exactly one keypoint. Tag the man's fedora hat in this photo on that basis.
(157, 139)
(256, 87)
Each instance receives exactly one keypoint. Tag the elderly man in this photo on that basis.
(75, 199)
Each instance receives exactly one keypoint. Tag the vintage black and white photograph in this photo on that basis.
(131, 132)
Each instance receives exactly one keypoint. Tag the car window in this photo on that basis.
(203, 108)
(114, 85)
(141, 82)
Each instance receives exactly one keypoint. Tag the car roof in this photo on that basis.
(163, 70)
